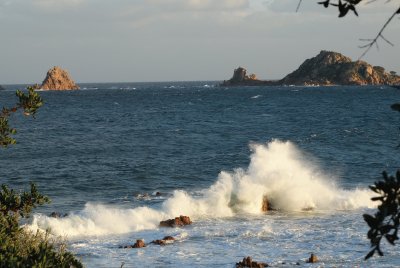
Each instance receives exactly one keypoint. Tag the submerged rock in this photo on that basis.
(395, 107)
(248, 262)
(58, 79)
(139, 244)
(55, 214)
(178, 221)
(166, 240)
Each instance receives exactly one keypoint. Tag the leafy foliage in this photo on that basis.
(21, 248)
(29, 103)
(386, 221)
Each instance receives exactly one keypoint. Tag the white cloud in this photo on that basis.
(193, 5)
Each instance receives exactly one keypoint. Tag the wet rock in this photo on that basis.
(1, 88)
(162, 242)
(139, 244)
(248, 262)
(58, 79)
(159, 242)
(177, 222)
(55, 214)
(265, 204)
(312, 259)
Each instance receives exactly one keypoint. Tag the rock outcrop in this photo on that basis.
(248, 262)
(240, 78)
(327, 68)
(58, 79)
(332, 68)
(1, 88)
(177, 222)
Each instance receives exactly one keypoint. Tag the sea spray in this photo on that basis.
(99, 220)
(277, 170)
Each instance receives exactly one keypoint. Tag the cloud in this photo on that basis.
(196, 5)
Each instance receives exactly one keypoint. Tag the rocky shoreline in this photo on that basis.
(326, 69)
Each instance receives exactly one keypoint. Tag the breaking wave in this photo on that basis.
(277, 170)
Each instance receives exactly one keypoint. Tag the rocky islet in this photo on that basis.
(326, 69)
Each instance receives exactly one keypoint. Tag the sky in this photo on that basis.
(182, 40)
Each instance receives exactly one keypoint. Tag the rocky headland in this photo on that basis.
(58, 79)
(325, 69)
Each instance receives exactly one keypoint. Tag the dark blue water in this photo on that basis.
(108, 142)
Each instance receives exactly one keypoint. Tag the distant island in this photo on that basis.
(326, 69)
(57, 79)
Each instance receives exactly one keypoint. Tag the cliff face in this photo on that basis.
(332, 68)
(58, 79)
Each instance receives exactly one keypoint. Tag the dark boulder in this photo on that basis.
(177, 222)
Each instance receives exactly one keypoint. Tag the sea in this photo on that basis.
(118, 158)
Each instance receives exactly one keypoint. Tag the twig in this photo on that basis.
(298, 6)
(379, 35)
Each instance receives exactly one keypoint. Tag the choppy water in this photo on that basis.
(103, 152)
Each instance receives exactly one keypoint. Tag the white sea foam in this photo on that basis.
(277, 170)
(256, 96)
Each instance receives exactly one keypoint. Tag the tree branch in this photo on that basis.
(379, 35)
(298, 6)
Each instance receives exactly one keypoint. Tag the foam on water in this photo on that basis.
(277, 170)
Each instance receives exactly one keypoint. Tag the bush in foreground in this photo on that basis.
(20, 247)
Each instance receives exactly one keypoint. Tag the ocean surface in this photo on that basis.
(118, 158)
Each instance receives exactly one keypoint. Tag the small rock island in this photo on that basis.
(58, 79)
(326, 69)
